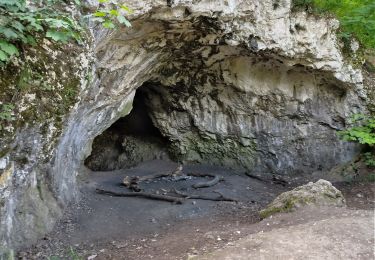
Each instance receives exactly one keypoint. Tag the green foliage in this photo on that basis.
(21, 24)
(369, 159)
(357, 17)
(370, 177)
(362, 132)
(110, 12)
(6, 114)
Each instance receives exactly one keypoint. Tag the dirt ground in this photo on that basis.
(323, 233)
(106, 227)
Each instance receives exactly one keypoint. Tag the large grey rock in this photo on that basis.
(320, 193)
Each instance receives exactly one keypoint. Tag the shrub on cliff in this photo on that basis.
(23, 23)
(357, 17)
(363, 132)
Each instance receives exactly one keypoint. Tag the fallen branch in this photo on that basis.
(221, 197)
(132, 182)
(275, 179)
(216, 179)
(279, 180)
(142, 195)
(256, 177)
(210, 183)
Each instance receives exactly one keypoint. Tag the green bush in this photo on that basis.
(22, 24)
(362, 132)
(357, 17)
(109, 12)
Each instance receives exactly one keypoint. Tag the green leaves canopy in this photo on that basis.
(357, 17)
(20, 24)
(363, 132)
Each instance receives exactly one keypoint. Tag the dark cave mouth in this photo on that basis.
(129, 141)
(268, 126)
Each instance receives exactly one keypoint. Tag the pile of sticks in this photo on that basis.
(132, 183)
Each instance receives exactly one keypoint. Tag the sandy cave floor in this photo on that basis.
(106, 227)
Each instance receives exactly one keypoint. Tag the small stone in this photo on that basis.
(91, 257)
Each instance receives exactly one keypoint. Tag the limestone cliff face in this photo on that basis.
(241, 83)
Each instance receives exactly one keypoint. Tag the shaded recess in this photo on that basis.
(210, 100)
(130, 140)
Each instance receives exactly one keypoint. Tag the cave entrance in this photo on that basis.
(130, 140)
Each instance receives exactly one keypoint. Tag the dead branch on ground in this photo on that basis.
(275, 179)
(221, 197)
(132, 182)
(216, 179)
(142, 195)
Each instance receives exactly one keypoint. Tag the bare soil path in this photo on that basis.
(106, 227)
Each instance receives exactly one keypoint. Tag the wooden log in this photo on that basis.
(221, 197)
(142, 195)
(207, 184)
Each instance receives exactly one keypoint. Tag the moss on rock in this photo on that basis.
(217, 150)
(41, 88)
(321, 193)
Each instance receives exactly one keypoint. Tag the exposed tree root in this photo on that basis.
(221, 197)
(142, 195)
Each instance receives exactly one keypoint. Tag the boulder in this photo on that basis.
(320, 193)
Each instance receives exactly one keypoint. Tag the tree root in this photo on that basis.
(221, 197)
(152, 196)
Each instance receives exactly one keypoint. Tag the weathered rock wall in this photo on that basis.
(267, 84)
(255, 112)
(41, 87)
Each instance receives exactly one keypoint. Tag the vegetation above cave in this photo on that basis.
(23, 23)
(357, 17)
